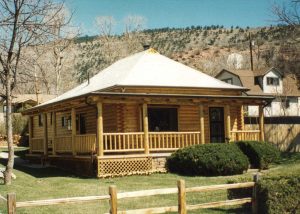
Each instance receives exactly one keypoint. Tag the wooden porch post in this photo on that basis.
(202, 133)
(261, 123)
(242, 126)
(45, 134)
(100, 129)
(73, 122)
(146, 131)
(53, 132)
(227, 118)
(30, 133)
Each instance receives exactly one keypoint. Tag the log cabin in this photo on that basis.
(130, 116)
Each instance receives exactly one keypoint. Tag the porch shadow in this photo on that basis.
(43, 172)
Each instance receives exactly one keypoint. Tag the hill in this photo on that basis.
(208, 49)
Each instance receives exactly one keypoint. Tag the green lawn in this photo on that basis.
(49, 183)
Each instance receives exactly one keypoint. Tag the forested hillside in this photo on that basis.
(62, 65)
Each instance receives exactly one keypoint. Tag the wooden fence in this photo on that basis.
(285, 136)
(181, 191)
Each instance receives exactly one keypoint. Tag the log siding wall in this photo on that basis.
(127, 118)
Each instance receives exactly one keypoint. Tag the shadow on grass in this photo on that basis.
(43, 172)
(290, 158)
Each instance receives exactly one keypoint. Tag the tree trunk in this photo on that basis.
(8, 123)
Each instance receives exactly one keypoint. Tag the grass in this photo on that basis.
(32, 184)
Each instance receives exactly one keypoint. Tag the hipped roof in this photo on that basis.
(147, 68)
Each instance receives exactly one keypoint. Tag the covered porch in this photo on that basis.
(118, 125)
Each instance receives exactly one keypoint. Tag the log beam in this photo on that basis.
(100, 151)
(53, 132)
(30, 129)
(45, 126)
(228, 123)
(261, 123)
(202, 131)
(146, 130)
(73, 123)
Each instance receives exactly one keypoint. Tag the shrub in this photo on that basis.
(260, 154)
(279, 194)
(208, 159)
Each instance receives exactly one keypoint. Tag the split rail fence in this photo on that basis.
(181, 191)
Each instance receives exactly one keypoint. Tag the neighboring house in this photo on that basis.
(264, 83)
(21, 102)
(130, 116)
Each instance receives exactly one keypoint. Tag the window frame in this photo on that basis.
(273, 81)
(63, 121)
(228, 80)
(40, 120)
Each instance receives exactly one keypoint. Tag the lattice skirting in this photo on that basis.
(114, 167)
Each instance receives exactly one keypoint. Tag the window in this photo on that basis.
(4, 109)
(256, 81)
(63, 121)
(40, 120)
(228, 80)
(162, 119)
(272, 81)
(69, 123)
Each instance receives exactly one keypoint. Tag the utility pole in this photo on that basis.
(250, 46)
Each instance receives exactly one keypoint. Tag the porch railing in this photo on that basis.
(133, 141)
(85, 143)
(37, 145)
(159, 141)
(63, 143)
(245, 135)
(123, 142)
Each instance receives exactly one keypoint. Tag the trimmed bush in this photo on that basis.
(208, 159)
(279, 195)
(260, 154)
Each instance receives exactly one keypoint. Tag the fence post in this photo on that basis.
(113, 199)
(11, 203)
(181, 197)
(254, 194)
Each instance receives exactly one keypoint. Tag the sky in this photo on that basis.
(173, 13)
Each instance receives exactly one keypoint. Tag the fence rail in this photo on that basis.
(133, 141)
(63, 143)
(123, 142)
(113, 197)
(245, 135)
(85, 143)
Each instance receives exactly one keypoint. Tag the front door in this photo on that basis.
(216, 120)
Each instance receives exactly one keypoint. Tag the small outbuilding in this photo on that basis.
(130, 116)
